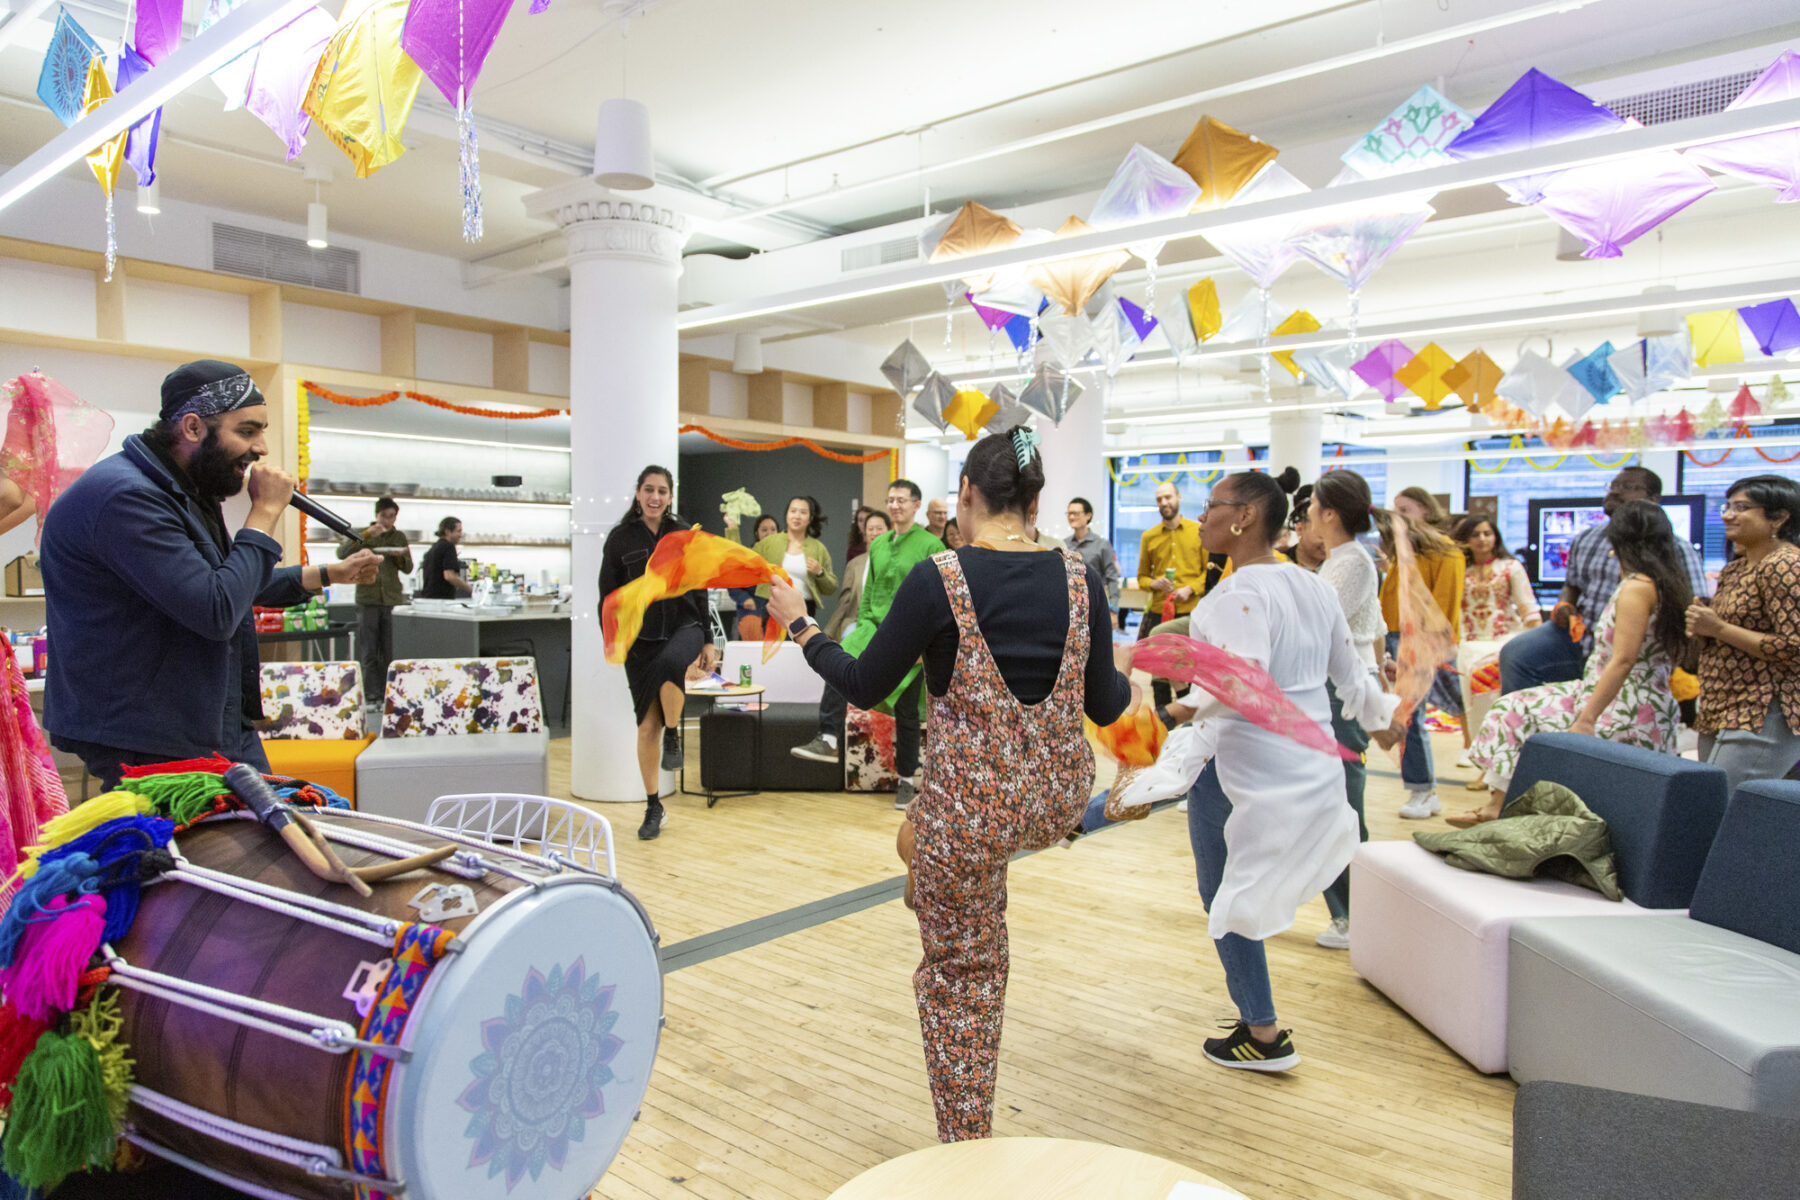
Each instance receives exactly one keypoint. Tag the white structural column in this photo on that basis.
(624, 259)
(1075, 464)
(1294, 441)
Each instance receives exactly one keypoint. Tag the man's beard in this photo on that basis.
(213, 472)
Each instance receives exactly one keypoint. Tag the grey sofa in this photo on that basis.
(1702, 1006)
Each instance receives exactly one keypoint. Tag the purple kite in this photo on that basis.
(450, 40)
(1609, 205)
(1771, 159)
(993, 318)
(283, 73)
(158, 29)
(1535, 111)
(140, 141)
(1377, 367)
(1141, 322)
(1775, 325)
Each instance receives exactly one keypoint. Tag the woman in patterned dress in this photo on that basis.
(1623, 695)
(1497, 603)
(1750, 652)
(1017, 645)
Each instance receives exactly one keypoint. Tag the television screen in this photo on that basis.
(1555, 523)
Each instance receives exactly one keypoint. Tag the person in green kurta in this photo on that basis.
(891, 556)
(375, 601)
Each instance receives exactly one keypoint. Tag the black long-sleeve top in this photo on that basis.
(1022, 608)
(623, 558)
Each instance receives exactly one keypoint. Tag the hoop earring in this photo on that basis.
(1237, 531)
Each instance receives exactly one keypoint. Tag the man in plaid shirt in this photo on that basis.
(1547, 654)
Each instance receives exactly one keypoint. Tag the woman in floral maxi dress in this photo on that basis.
(1623, 695)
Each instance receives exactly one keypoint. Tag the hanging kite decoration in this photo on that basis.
(283, 73)
(1221, 160)
(450, 40)
(105, 158)
(1071, 282)
(1609, 205)
(233, 78)
(1412, 137)
(1146, 186)
(63, 79)
(1535, 111)
(365, 85)
(142, 138)
(1770, 159)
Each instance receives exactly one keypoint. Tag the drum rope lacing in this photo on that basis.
(485, 848)
(321, 1033)
(348, 921)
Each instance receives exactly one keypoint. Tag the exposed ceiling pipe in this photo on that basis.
(1273, 79)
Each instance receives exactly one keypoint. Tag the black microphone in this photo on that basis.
(323, 515)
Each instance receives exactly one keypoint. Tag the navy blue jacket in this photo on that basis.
(153, 643)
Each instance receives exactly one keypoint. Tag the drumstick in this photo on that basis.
(339, 870)
(387, 870)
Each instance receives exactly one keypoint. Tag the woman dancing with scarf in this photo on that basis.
(1268, 821)
(1017, 645)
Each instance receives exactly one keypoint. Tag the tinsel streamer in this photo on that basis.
(1350, 320)
(470, 162)
(112, 237)
(949, 316)
(1150, 286)
(1263, 358)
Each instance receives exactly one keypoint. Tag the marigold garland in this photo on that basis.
(468, 410)
(784, 443)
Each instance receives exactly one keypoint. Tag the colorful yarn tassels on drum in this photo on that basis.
(417, 949)
(18, 1037)
(218, 764)
(684, 562)
(1238, 683)
(100, 1023)
(67, 875)
(60, 1121)
(54, 952)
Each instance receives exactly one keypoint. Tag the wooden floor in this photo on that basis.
(790, 1066)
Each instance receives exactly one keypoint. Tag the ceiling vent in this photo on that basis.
(256, 255)
(879, 254)
(1701, 99)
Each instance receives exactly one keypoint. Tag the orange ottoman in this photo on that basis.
(327, 761)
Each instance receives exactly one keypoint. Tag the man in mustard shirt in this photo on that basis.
(1175, 542)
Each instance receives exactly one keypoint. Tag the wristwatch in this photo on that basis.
(799, 625)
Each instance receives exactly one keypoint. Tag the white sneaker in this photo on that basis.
(1335, 936)
(1463, 761)
(1182, 807)
(1420, 806)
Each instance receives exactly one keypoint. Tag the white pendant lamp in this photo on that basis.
(315, 226)
(747, 354)
(622, 147)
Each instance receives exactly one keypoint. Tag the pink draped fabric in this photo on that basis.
(1235, 682)
(52, 436)
(31, 792)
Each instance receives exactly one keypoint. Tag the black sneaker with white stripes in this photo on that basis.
(1241, 1051)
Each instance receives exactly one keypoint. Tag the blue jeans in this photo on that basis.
(1246, 967)
(1539, 656)
(1417, 768)
(1351, 736)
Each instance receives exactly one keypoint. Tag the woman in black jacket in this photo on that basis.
(674, 635)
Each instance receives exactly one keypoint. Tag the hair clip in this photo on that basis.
(1025, 439)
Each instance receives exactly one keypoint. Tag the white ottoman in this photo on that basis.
(401, 776)
(1433, 937)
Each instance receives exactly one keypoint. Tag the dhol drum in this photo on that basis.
(485, 1028)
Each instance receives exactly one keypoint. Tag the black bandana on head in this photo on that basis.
(207, 387)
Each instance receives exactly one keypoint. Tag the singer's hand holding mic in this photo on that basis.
(270, 490)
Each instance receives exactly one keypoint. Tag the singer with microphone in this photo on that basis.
(148, 597)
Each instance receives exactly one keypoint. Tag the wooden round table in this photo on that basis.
(1030, 1169)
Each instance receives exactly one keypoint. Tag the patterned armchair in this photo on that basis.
(437, 697)
(451, 726)
(312, 700)
(313, 722)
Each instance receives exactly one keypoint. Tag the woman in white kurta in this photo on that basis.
(1268, 818)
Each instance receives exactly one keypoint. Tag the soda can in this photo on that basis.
(743, 674)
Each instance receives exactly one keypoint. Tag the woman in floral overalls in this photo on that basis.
(1017, 644)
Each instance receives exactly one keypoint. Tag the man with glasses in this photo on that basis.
(1548, 653)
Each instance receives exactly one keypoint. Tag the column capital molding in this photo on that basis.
(601, 223)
